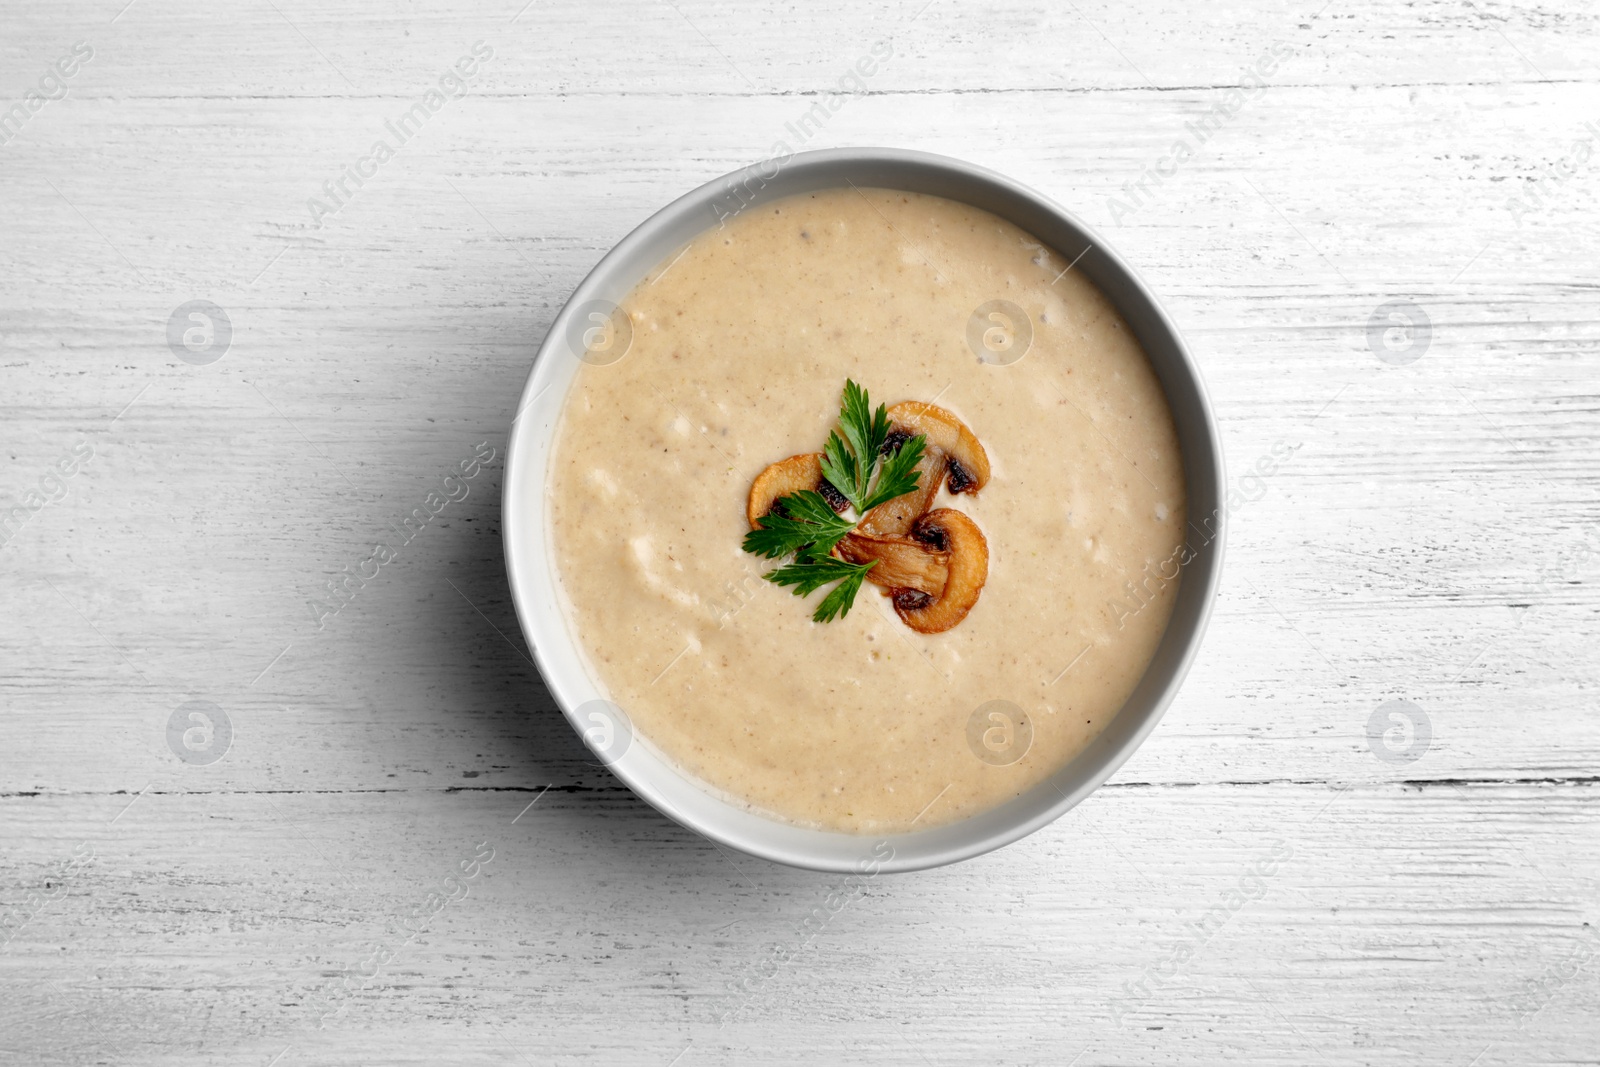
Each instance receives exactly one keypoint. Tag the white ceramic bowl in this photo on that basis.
(531, 568)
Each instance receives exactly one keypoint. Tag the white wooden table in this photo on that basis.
(1265, 882)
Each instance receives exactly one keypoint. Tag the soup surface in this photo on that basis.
(739, 350)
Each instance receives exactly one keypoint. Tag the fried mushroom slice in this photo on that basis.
(893, 518)
(902, 562)
(785, 477)
(967, 462)
(946, 530)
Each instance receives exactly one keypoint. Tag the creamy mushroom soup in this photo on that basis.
(669, 453)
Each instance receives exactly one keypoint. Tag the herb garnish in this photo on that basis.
(810, 572)
(806, 520)
(805, 525)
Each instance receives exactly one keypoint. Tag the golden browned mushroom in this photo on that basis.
(946, 530)
(893, 518)
(968, 463)
(952, 455)
(785, 477)
(902, 563)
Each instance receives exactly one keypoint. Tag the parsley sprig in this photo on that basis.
(810, 572)
(850, 466)
(805, 525)
(805, 521)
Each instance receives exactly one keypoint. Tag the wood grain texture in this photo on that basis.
(1431, 537)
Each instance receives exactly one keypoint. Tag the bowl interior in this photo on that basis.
(534, 581)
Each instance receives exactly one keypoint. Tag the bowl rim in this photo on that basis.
(1150, 319)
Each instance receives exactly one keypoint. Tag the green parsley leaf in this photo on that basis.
(811, 572)
(807, 520)
(837, 604)
(840, 468)
(898, 474)
(850, 469)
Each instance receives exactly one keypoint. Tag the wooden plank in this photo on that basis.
(1370, 923)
